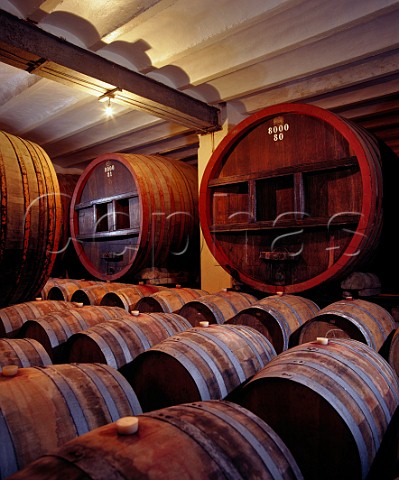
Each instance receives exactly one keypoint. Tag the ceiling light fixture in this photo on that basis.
(106, 97)
(108, 109)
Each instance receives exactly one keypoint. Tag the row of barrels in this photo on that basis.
(285, 320)
(322, 405)
(202, 364)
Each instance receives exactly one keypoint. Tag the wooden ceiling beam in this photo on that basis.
(25, 46)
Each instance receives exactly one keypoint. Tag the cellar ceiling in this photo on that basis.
(173, 68)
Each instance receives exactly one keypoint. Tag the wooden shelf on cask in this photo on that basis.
(303, 168)
(111, 233)
(92, 203)
(284, 224)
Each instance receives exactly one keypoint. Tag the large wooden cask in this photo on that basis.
(292, 198)
(31, 217)
(41, 408)
(130, 212)
(331, 405)
(197, 441)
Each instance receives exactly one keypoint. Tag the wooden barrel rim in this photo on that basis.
(234, 136)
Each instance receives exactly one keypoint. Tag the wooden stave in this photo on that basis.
(128, 297)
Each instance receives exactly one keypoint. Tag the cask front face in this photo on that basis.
(290, 198)
(129, 212)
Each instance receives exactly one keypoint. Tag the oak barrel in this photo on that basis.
(358, 319)
(129, 212)
(277, 317)
(93, 294)
(128, 297)
(13, 317)
(216, 308)
(200, 441)
(198, 364)
(42, 408)
(54, 329)
(330, 404)
(170, 300)
(23, 352)
(63, 289)
(118, 342)
(31, 217)
(291, 199)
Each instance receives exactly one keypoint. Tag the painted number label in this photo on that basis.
(108, 170)
(278, 131)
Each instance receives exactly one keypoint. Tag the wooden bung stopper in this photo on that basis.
(127, 425)
(9, 370)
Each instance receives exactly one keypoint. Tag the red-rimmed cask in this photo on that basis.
(292, 199)
(130, 212)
